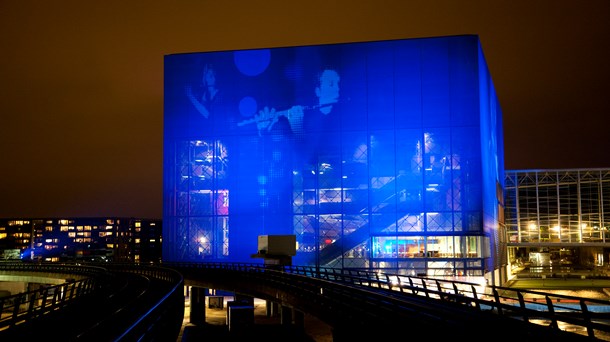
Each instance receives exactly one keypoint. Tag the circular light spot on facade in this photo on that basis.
(252, 62)
(247, 106)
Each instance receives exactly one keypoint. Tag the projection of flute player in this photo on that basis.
(327, 92)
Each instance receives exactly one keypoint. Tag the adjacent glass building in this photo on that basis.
(558, 218)
(382, 155)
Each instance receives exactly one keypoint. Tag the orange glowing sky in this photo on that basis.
(81, 100)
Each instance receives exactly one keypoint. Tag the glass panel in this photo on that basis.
(436, 163)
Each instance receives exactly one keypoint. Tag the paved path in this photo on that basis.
(267, 328)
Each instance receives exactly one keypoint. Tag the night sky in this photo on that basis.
(81, 98)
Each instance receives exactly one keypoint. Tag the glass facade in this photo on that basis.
(378, 155)
(558, 217)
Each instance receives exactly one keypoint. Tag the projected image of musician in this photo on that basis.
(288, 141)
(295, 120)
(206, 93)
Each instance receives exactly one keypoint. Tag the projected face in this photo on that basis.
(328, 90)
(209, 77)
(201, 99)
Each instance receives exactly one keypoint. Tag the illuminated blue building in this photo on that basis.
(378, 155)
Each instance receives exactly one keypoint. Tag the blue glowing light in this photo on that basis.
(337, 144)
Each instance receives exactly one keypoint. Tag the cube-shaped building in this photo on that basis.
(384, 155)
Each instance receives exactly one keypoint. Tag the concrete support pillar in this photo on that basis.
(285, 315)
(197, 297)
(298, 320)
(272, 309)
(240, 316)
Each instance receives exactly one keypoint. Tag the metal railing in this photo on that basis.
(583, 316)
(21, 307)
(160, 313)
(558, 311)
(343, 298)
(163, 318)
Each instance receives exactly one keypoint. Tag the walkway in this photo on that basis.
(315, 330)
